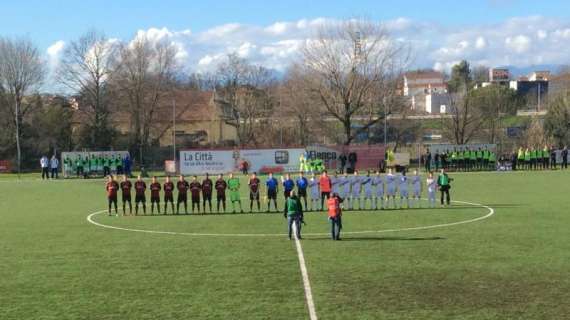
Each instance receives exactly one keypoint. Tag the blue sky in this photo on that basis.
(485, 31)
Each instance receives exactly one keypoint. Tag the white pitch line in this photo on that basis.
(266, 235)
(305, 276)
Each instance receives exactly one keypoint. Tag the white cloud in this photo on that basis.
(277, 44)
(519, 44)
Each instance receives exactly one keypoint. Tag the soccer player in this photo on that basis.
(367, 183)
(443, 181)
(355, 183)
(272, 184)
(315, 196)
(345, 187)
(155, 195)
(140, 188)
(432, 189)
(417, 189)
(207, 186)
(302, 184)
(379, 183)
(335, 180)
(288, 185)
(113, 164)
(221, 187)
(126, 186)
(390, 188)
(403, 187)
(233, 185)
(325, 186)
(253, 184)
(79, 166)
(182, 187)
(106, 164)
(112, 187)
(93, 165)
(195, 189)
(168, 194)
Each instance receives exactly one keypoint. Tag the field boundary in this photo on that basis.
(490, 213)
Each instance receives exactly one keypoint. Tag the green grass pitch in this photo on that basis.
(54, 264)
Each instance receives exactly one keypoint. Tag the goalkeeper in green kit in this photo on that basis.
(233, 186)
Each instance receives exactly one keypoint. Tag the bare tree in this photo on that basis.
(353, 67)
(466, 117)
(244, 92)
(21, 72)
(143, 79)
(85, 68)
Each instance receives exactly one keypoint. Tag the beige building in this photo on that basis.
(418, 84)
(196, 116)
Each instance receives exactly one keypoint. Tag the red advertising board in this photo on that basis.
(5, 166)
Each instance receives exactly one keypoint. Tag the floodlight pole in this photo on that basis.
(174, 131)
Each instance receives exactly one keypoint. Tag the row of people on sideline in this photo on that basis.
(359, 192)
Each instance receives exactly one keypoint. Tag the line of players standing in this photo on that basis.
(462, 159)
(356, 190)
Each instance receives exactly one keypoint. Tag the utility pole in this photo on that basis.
(174, 131)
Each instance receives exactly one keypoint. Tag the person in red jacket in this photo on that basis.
(155, 195)
(111, 188)
(335, 214)
(325, 186)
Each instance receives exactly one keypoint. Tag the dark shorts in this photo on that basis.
(325, 195)
(207, 196)
(272, 194)
(182, 198)
(140, 198)
(168, 198)
(126, 198)
(303, 193)
(195, 199)
(112, 199)
(154, 199)
(254, 195)
(286, 193)
(221, 197)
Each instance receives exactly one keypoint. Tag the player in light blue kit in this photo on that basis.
(346, 189)
(432, 189)
(355, 184)
(367, 183)
(403, 187)
(378, 182)
(390, 189)
(417, 189)
(335, 180)
(315, 194)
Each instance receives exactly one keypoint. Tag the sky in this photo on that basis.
(270, 33)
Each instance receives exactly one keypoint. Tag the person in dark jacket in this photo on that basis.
(443, 181)
(294, 214)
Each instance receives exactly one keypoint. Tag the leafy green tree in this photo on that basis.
(460, 77)
(557, 120)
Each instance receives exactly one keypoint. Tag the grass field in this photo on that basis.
(513, 265)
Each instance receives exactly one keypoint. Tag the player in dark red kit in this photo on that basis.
(112, 187)
(126, 187)
(221, 187)
(154, 195)
(254, 192)
(168, 194)
(207, 192)
(195, 189)
(182, 187)
(140, 188)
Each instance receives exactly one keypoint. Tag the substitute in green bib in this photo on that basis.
(527, 159)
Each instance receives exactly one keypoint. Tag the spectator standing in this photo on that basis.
(44, 163)
(564, 158)
(54, 165)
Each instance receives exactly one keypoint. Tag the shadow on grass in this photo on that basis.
(381, 238)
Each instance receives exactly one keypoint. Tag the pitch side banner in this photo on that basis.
(224, 161)
(195, 162)
(367, 156)
(272, 160)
